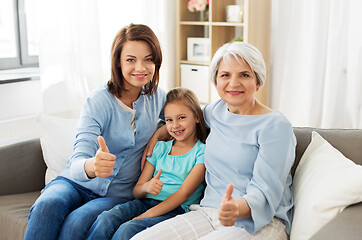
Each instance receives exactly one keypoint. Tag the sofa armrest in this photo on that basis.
(22, 168)
(346, 225)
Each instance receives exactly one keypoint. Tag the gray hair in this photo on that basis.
(245, 51)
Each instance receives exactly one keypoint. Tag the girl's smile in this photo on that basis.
(180, 122)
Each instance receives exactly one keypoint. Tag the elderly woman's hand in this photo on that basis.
(228, 210)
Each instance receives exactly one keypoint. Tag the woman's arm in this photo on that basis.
(161, 134)
(148, 184)
(191, 183)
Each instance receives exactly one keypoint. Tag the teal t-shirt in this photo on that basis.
(175, 169)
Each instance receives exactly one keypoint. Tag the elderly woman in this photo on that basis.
(248, 157)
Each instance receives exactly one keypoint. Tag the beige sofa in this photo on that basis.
(22, 177)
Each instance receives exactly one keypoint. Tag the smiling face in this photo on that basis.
(180, 122)
(236, 84)
(137, 64)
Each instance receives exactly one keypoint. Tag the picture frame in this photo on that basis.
(198, 49)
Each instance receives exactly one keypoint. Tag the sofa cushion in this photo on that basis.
(57, 137)
(325, 182)
(14, 212)
(347, 141)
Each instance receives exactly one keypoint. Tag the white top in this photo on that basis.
(132, 111)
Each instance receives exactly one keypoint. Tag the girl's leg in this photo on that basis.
(108, 222)
(275, 230)
(191, 225)
(47, 214)
(78, 222)
(128, 229)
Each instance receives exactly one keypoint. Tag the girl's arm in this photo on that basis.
(148, 184)
(191, 183)
(160, 135)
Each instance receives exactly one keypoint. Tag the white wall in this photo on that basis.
(19, 104)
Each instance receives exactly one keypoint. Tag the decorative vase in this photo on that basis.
(204, 15)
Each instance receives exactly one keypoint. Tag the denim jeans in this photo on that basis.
(66, 210)
(117, 223)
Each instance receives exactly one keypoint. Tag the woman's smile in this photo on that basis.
(235, 93)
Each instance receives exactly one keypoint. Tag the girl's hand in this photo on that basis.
(143, 215)
(228, 210)
(154, 186)
(104, 161)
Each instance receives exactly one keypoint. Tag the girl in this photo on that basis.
(101, 174)
(172, 178)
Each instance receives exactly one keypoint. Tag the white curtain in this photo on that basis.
(69, 57)
(316, 62)
(76, 43)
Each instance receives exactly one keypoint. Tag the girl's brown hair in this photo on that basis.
(189, 99)
(134, 32)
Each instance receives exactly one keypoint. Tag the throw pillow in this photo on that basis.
(325, 182)
(57, 137)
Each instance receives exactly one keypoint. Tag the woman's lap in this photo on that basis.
(64, 202)
(275, 230)
(202, 223)
(191, 225)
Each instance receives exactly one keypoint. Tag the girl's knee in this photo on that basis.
(127, 230)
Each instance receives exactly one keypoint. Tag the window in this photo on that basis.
(18, 34)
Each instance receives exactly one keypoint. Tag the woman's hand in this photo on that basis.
(102, 164)
(154, 186)
(160, 134)
(228, 210)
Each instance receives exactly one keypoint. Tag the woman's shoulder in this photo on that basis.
(101, 93)
(159, 94)
(278, 118)
(217, 106)
(276, 124)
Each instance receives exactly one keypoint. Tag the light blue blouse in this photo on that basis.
(175, 169)
(255, 153)
(103, 116)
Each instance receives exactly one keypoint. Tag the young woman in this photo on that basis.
(172, 178)
(248, 157)
(100, 175)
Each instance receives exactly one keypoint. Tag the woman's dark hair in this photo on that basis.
(134, 32)
(189, 99)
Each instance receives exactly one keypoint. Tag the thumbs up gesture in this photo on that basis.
(228, 209)
(154, 186)
(103, 160)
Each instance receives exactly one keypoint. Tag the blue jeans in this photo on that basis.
(66, 210)
(118, 222)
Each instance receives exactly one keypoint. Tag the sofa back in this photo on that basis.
(22, 168)
(347, 141)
